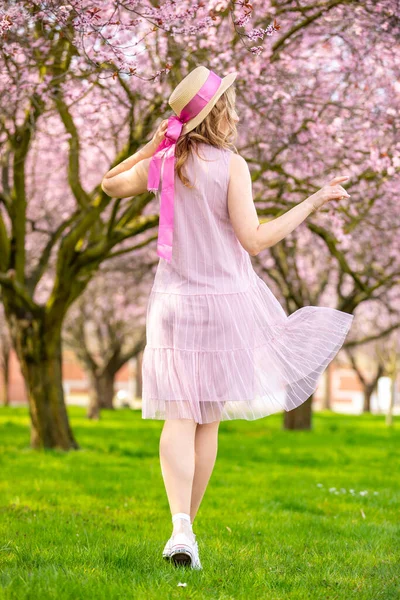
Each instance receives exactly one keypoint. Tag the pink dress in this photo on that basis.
(219, 345)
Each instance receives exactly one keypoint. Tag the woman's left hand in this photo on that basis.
(159, 134)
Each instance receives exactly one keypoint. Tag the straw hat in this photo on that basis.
(189, 87)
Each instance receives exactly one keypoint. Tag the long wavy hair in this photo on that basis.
(209, 131)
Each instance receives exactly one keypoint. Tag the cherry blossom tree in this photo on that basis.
(5, 352)
(368, 376)
(376, 330)
(106, 328)
(73, 105)
(84, 85)
(327, 103)
(391, 353)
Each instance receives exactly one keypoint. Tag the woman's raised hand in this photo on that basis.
(159, 135)
(332, 191)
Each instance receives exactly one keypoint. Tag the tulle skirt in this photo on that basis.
(218, 357)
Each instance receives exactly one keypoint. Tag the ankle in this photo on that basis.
(182, 524)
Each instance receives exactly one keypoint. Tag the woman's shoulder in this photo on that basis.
(238, 167)
(238, 161)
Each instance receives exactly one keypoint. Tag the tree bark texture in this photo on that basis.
(40, 355)
(300, 417)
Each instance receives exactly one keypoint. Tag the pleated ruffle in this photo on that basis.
(234, 356)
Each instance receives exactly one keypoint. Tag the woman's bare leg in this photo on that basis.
(177, 459)
(206, 447)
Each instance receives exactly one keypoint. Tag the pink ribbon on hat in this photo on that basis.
(166, 149)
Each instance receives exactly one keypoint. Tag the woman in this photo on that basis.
(219, 344)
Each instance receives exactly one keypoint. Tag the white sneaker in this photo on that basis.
(167, 549)
(196, 564)
(182, 550)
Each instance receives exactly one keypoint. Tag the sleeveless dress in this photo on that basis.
(219, 345)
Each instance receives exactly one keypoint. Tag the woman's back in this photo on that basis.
(207, 257)
(219, 345)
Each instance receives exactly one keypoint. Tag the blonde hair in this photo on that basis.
(209, 131)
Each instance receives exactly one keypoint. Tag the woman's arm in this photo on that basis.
(129, 177)
(255, 236)
(146, 152)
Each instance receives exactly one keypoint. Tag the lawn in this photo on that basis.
(299, 515)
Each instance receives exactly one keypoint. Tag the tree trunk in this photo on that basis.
(6, 378)
(389, 415)
(327, 396)
(368, 390)
(105, 389)
(102, 392)
(40, 355)
(300, 417)
(93, 411)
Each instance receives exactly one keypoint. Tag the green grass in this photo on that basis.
(92, 524)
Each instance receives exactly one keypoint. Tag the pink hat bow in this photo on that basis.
(166, 151)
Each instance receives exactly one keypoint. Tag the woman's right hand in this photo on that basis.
(332, 191)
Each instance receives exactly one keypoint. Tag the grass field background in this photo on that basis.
(302, 515)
